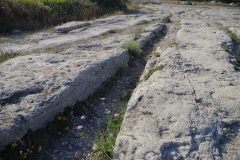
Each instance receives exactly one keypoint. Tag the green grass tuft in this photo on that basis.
(105, 144)
(133, 48)
(32, 15)
(229, 32)
(236, 18)
(4, 56)
(146, 76)
(156, 54)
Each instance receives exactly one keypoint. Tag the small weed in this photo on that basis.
(138, 82)
(62, 121)
(105, 144)
(137, 36)
(235, 18)
(156, 54)
(173, 43)
(126, 95)
(134, 81)
(158, 20)
(3, 40)
(146, 76)
(228, 31)
(13, 99)
(105, 35)
(237, 57)
(145, 31)
(133, 48)
(231, 34)
(218, 23)
(151, 10)
(137, 33)
(27, 148)
(145, 22)
(86, 25)
(199, 13)
(108, 33)
(4, 56)
(56, 49)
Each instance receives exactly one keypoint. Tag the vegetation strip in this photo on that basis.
(38, 14)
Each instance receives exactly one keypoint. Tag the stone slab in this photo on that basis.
(180, 112)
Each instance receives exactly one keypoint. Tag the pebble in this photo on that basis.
(235, 157)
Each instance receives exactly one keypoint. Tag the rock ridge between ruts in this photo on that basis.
(47, 83)
(181, 111)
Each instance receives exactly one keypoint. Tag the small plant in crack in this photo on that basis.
(126, 95)
(173, 43)
(237, 63)
(86, 25)
(55, 49)
(12, 100)
(133, 48)
(151, 10)
(137, 33)
(156, 54)
(228, 31)
(146, 76)
(105, 140)
(27, 148)
(157, 20)
(134, 81)
(105, 35)
(6, 55)
(236, 18)
(145, 22)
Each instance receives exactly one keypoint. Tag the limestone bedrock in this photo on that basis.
(180, 111)
(61, 69)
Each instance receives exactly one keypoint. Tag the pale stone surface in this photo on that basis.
(136, 2)
(149, 33)
(228, 17)
(46, 83)
(180, 112)
(153, 1)
(157, 1)
(70, 26)
(43, 40)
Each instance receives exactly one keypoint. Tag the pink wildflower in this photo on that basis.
(116, 115)
(102, 99)
(83, 117)
(79, 127)
(108, 112)
(111, 135)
